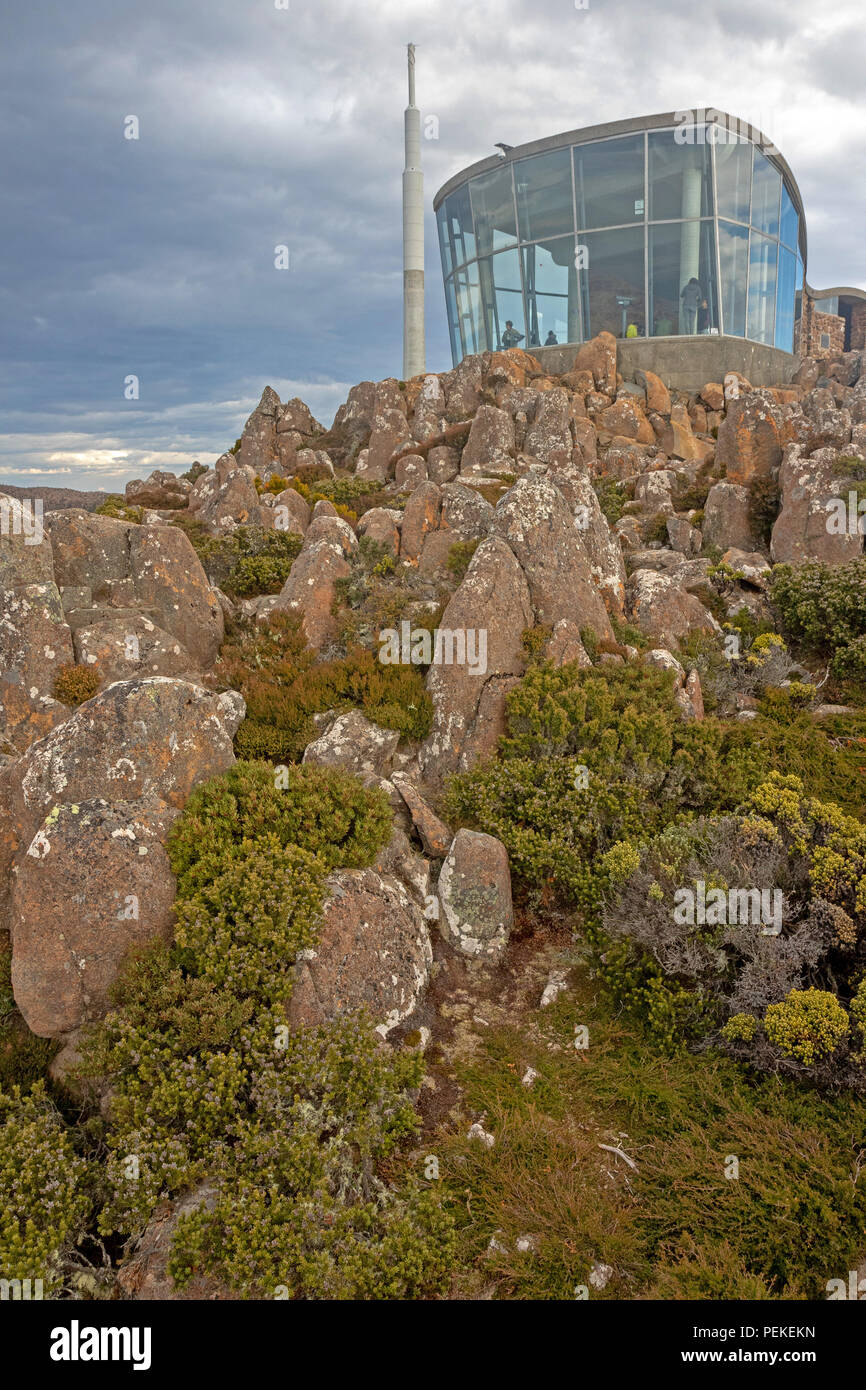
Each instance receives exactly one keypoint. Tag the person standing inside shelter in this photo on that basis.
(691, 297)
(511, 337)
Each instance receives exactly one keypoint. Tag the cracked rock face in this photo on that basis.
(808, 525)
(93, 883)
(374, 951)
(664, 610)
(138, 748)
(35, 640)
(310, 587)
(476, 913)
(354, 744)
(152, 568)
(469, 705)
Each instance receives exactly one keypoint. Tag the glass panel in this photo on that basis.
(608, 177)
(544, 203)
(766, 188)
(456, 227)
(734, 258)
(790, 221)
(679, 178)
(830, 305)
(469, 309)
(784, 334)
(444, 240)
(734, 180)
(503, 300)
(682, 272)
(551, 292)
(453, 322)
(762, 288)
(612, 283)
(493, 205)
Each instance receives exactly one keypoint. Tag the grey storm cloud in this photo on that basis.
(262, 126)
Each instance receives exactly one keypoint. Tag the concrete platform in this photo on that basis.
(686, 363)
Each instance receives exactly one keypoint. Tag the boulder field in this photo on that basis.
(497, 497)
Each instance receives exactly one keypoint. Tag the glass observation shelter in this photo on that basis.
(679, 224)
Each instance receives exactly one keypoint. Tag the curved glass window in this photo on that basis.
(502, 296)
(789, 224)
(766, 190)
(786, 289)
(493, 207)
(469, 318)
(612, 283)
(734, 180)
(762, 288)
(682, 278)
(550, 277)
(456, 232)
(453, 323)
(654, 233)
(734, 262)
(609, 182)
(680, 176)
(543, 190)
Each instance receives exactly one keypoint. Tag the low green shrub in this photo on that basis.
(207, 1084)
(44, 1200)
(115, 506)
(784, 906)
(808, 1024)
(247, 561)
(320, 810)
(824, 608)
(284, 687)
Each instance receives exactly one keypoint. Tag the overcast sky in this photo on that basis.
(262, 126)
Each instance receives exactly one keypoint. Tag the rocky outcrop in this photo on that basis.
(490, 447)
(161, 490)
(126, 647)
(93, 883)
(35, 640)
(310, 588)
(83, 815)
(274, 434)
(535, 521)
(817, 521)
(664, 610)
(225, 497)
(726, 517)
(469, 701)
(374, 952)
(354, 744)
(108, 565)
(475, 908)
(749, 442)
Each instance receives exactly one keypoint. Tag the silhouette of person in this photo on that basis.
(551, 340)
(691, 297)
(511, 337)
